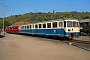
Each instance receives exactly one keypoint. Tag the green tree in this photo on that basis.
(1, 24)
(50, 16)
(66, 15)
(86, 16)
(39, 18)
(57, 15)
(6, 23)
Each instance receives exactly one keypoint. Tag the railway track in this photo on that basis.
(79, 43)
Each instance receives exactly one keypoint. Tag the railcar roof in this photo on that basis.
(55, 20)
(52, 20)
(14, 26)
(84, 20)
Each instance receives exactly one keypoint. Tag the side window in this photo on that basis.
(60, 24)
(30, 26)
(44, 25)
(22, 27)
(33, 26)
(48, 25)
(16, 27)
(12, 27)
(54, 24)
(27, 27)
(36, 26)
(9, 28)
(39, 25)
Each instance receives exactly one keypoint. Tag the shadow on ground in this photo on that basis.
(1, 36)
(48, 37)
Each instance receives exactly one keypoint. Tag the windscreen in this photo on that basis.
(72, 24)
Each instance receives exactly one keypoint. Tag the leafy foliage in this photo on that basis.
(40, 16)
(6, 23)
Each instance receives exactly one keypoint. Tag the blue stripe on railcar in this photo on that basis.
(51, 32)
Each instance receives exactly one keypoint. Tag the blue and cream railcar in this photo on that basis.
(60, 27)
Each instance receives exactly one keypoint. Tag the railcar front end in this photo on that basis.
(72, 28)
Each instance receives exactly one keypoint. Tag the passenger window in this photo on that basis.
(33, 26)
(54, 24)
(36, 26)
(10, 27)
(27, 27)
(60, 24)
(16, 27)
(22, 27)
(44, 25)
(39, 25)
(30, 26)
(48, 25)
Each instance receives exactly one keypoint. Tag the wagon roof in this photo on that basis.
(84, 20)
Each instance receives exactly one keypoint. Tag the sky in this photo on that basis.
(15, 7)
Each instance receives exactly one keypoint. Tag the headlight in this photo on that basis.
(69, 30)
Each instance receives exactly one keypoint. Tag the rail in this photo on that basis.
(77, 41)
